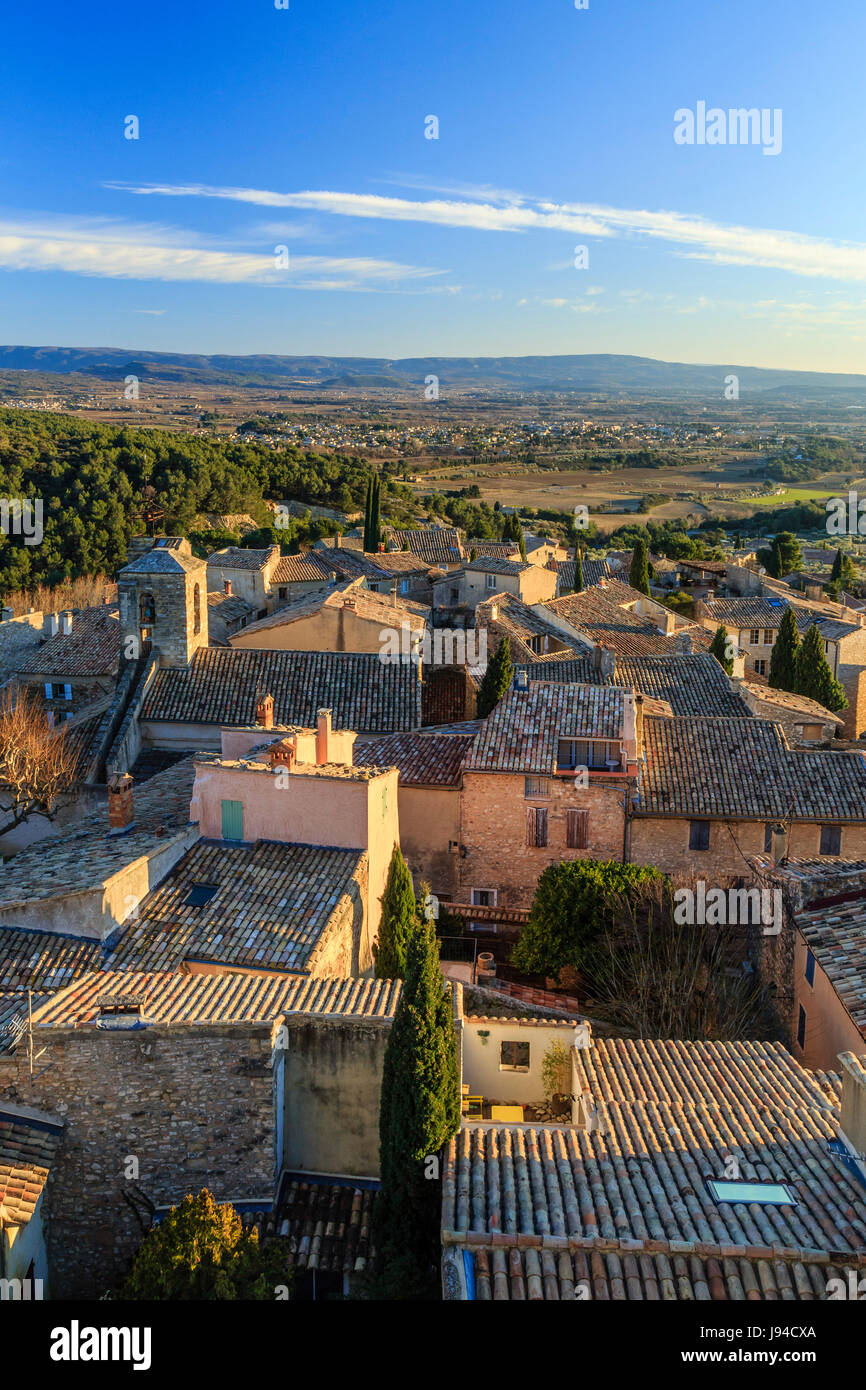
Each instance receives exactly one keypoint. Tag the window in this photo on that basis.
(768, 838)
(769, 637)
(831, 839)
(201, 893)
(484, 897)
(455, 596)
(754, 636)
(283, 593)
(232, 820)
(536, 786)
(514, 1056)
(772, 1194)
(810, 969)
(699, 834)
(404, 586)
(49, 691)
(146, 611)
(536, 826)
(491, 581)
(801, 1028)
(577, 829)
(196, 608)
(761, 668)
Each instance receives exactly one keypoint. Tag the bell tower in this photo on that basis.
(162, 593)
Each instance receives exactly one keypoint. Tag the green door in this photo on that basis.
(233, 820)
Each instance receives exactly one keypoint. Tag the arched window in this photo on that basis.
(196, 608)
(146, 610)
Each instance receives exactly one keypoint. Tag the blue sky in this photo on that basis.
(305, 128)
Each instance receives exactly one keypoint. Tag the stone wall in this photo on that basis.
(493, 831)
(174, 634)
(193, 1106)
(664, 842)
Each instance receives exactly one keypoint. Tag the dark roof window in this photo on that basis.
(201, 893)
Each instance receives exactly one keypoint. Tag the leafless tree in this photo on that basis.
(39, 766)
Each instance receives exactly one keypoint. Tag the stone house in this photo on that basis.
(167, 1083)
(345, 618)
(246, 574)
(75, 663)
(29, 1140)
(479, 579)
(805, 722)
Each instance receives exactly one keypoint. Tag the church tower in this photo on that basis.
(162, 594)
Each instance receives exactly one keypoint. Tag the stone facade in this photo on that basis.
(193, 1107)
(663, 841)
(167, 608)
(494, 831)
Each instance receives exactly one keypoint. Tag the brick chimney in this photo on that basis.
(381, 548)
(323, 734)
(283, 754)
(604, 660)
(227, 588)
(265, 711)
(121, 812)
(852, 1120)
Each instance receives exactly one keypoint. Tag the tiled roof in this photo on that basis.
(28, 1143)
(593, 571)
(81, 859)
(235, 557)
(837, 938)
(92, 648)
(43, 960)
(381, 608)
(325, 1225)
(437, 545)
(181, 998)
(495, 550)
(768, 613)
(521, 733)
(694, 684)
(490, 564)
(223, 613)
(744, 768)
(309, 568)
(601, 613)
(506, 1272)
(382, 565)
(629, 1196)
(274, 903)
(164, 560)
(518, 622)
(797, 704)
(222, 685)
(424, 759)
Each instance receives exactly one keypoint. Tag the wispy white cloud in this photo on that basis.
(694, 237)
(119, 251)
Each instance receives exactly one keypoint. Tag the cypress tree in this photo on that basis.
(398, 916)
(719, 649)
(836, 572)
(783, 659)
(578, 571)
(497, 679)
(375, 515)
(815, 680)
(419, 1112)
(518, 536)
(638, 575)
(368, 505)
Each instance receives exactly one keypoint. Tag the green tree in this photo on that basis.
(570, 909)
(368, 505)
(398, 917)
(578, 572)
(418, 1114)
(814, 678)
(638, 575)
(201, 1251)
(784, 555)
(497, 679)
(783, 658)
(719, 649)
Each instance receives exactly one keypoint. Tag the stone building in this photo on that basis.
(168, 1083)
(162, 595)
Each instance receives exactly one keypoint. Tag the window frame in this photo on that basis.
(693, 827)
(835, 833)
(516, 1043)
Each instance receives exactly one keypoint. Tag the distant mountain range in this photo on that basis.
(591, 373)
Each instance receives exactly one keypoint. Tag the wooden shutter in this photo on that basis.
(536, 826)
(577, 829)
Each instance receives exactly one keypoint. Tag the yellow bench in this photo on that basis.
(472, 1100)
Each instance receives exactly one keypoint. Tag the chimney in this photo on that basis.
(852, 1120)
(282, 754)
(338, 541)
(494, 612)
(521, 680)
(265, 711)
(52, 623)
(227, 588)
(323, 734)
(683, 643)
(638, 725)
(121, 813)
(779, 845)
(608, 662)
(66, 623)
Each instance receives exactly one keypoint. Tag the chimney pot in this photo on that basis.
(323, 734)
(66, 623)
(227, 588)
(283, 754)
(265, 711)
